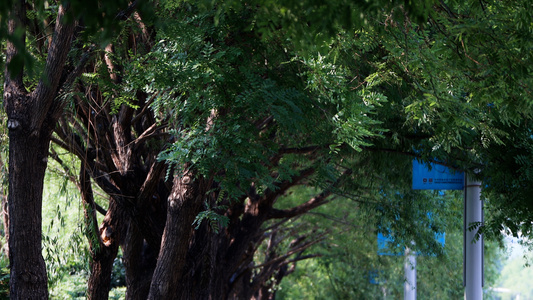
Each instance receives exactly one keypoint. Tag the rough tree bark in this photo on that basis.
(31, 120)
(103, 241)
(184, 204)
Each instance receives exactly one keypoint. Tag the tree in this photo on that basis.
(32, 113)
(31, 119)
(119, 152)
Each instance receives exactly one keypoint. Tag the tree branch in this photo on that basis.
(91, 222)
(311, 203)
(152, 179)
(147, 133)
(79, 68)
(142, 26)
(123, 15)
(145, 108)
(45, 92)
(283, 186)
(73, 178)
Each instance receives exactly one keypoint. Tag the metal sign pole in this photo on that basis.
(473, 250)
(409, 286)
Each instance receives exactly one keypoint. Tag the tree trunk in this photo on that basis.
(139, 262)
(31, 119)
(103, 242)
(184, 204)
(102, 259)
(27, 165)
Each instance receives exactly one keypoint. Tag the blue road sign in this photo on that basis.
(386, 244)
(438, 178)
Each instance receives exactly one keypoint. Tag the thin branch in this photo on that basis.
(125, 14)
(79, 68)
(337, 220)
(291, 252)
(300, 150)
(299, 258)
(73, 178)
(147, 134)
(282, 187)
(110, 64)
(67, 171)
(300, 209)
(276, 225)
(311, 203)
(95, 240)
(145, 108)
(261, 125)
(152, 179)
(142, 26)
(448, 10)
(70, 146)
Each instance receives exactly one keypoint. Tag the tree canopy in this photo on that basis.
(465, 98)
(196, 120)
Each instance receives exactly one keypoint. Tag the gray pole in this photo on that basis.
(473, 250)
(409, 286)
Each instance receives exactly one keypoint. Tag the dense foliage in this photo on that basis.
(224, 110)
(466, 97)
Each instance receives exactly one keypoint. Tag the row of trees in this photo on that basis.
(194, 120)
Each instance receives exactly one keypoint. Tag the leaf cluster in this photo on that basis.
(458, 89)
(236, 99)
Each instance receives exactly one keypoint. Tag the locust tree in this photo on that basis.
(31, 119)
(230, 111)
(32, 103)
